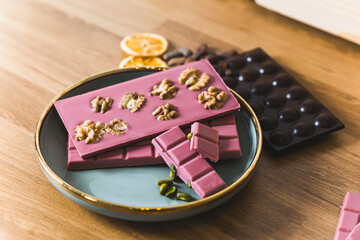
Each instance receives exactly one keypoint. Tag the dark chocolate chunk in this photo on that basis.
(324, 120)
(248, 76)
(235, 62)
(229, 72)
(268, 68)
(310, 106)
(274, 100)
(230, 81)
(282, 80)
(243, 93)
(256, 55)
(280, 138)
(212, 57)
(257, 107)
(186, 52)
(260, 88)
(303, 129)
(268, 123)
(176, 61)
(201, 51)
(288, 113)
(296, 93)
(222, 68)
(172, 54)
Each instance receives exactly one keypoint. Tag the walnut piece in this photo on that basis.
(100, 104)
(92, 133)
(165, 112)
(165, 89)
(187, 73)
(132, 101)
(116, 127)
(212, 98)
(190, 78)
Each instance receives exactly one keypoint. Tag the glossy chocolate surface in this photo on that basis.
(288, 113)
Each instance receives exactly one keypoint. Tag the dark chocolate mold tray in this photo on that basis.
(288, 113)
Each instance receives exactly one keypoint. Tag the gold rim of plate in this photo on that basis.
(141, 210)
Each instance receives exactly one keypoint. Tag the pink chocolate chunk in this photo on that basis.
(349, 217)
(189, 165)
(139, 154)
(355, 233)
(142, 124)
(205, 141)
(229, 144)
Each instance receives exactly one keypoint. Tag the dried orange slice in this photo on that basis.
(133, 61)
(144, 45)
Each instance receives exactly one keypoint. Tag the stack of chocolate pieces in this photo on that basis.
(98, 138)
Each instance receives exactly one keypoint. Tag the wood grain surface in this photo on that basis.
(46, 46)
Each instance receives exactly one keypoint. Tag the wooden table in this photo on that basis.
(46, 46)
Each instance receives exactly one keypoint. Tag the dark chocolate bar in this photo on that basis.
(288, 113)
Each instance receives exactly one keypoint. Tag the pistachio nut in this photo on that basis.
(184, 196)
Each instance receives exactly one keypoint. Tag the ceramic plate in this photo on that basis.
(131, 193)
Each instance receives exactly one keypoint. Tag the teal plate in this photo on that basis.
(131, 193)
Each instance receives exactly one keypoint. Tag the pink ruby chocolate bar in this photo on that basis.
(142, 124)
(205, 141)
(142, 153)
(147, 154)
(174, 147)
(349, 216)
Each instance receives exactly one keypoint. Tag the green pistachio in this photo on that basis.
(168, 182)
(189, 184)
(172, 167)
(163, 188)
(184, 197)
(170, 193)
(190, 135)
(172, 175)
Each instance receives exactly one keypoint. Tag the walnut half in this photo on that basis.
(100, 104)
(190, 78)
(165, 89)
(116, 127)
(165, 112)
(92, 133)
(188, 73)
(212, 98)
(132, 101)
